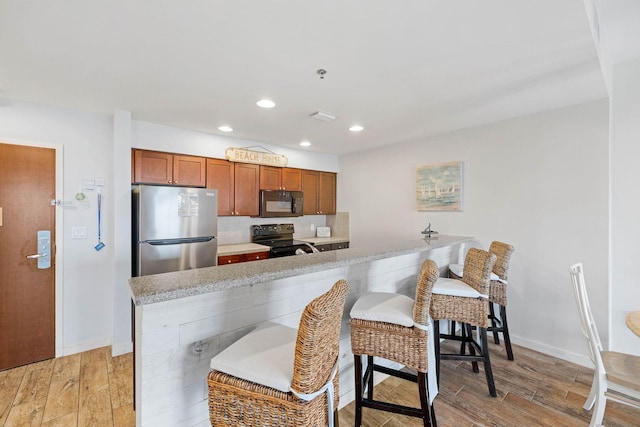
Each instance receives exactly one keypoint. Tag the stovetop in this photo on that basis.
(272, 232)
(279, 237)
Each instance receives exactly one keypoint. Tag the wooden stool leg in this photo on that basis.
(357, 372)
(370, 384)
(428, 416)
(472, 350)
(505, 332)
(436, 348)
(494, 323)
(482, 332)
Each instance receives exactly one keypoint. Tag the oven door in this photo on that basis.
(281, 251)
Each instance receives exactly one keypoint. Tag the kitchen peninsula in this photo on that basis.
(183, 319)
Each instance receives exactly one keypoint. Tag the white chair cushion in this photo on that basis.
(456, 288)
(384, 307)
(458, 270)
(264, 356)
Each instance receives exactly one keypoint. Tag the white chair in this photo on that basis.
(617, 375)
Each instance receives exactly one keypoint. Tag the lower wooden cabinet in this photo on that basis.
(332, 246)
(233, 259)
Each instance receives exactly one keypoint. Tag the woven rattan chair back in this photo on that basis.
(428, 276)
(478, 265)
(318, 342)
(503, 252)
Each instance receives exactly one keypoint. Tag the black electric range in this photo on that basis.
(279, 237)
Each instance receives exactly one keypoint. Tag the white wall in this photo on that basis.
(85, 138)
(625, 175)
(538, 182)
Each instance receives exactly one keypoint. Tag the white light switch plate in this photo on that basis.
(78, 232)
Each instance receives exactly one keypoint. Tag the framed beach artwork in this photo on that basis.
(439, 187)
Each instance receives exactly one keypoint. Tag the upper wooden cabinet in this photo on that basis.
(154, 167)
(238, 186)
(274, 178)
(319, 190)
(221, 176)
(247, 189)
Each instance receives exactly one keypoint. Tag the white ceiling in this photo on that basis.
(404, 69)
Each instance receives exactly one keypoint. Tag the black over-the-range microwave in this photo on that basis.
(280, 203)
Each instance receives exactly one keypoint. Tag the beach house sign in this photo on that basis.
(243, 155)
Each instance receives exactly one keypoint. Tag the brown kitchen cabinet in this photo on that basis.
(319, 190)
(332, 246)
(238, 186)
(155, 167)
(233, 259)
(275, 178)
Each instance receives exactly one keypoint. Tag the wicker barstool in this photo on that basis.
(497, 291)
(394, 327)
(466, 301)
(279, 376)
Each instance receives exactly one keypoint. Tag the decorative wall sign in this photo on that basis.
(258, 157)
(439, 187)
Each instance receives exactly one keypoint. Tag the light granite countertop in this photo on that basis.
(179, 284)
(241, 248)
(324, 240)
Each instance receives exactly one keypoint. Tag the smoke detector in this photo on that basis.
(321, 115)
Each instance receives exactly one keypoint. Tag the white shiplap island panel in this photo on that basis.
(183, 319)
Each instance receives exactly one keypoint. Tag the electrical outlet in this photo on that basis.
(78, 232)
(313, 227)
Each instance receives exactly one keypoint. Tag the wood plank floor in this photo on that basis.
(94, 389)
(85, 389)
(533, 390)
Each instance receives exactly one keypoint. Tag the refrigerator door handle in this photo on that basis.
(164, 242)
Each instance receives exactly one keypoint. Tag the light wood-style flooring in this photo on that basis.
(85, 389)
(94, 389)
(534, 390)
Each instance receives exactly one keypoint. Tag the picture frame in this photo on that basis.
(439, 187)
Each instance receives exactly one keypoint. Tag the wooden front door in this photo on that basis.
(27, 292)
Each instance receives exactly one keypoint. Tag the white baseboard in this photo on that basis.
(569, 356)
(121, 348)
(85, 346)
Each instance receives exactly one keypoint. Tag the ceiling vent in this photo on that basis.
(321, 115)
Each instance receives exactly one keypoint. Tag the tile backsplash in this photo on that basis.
(233, 229)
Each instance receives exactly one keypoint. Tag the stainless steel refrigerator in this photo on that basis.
(174, 228)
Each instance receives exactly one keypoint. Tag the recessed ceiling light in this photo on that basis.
(225, 129)
(305, 144)
(356, 128)
(266, 103)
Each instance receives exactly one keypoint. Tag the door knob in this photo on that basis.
(44, 249)
(34, 256)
